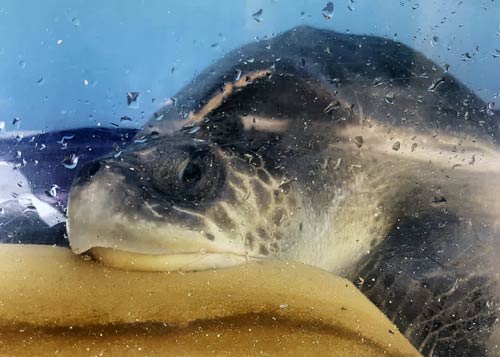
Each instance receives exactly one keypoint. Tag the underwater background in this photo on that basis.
(67, 64)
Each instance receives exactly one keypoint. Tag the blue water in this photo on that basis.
(70, 63)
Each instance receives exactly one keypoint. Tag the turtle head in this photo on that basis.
(186, 201)
(212, 184)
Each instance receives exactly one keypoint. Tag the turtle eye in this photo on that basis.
(191, 173)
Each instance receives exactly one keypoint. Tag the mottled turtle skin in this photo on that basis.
(355, 154)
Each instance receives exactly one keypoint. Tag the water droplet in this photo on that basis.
(41, 81)
(85, 82)
(332, 106)
(203, 251)
(64, 138)
(29, 208)
(389, 97)
(396, 146)
(132, 97)
(53, 191)
(327, 11)
(496, 54)
(358, 140)
(2, 211)
(16, 120)
(434, 41)
(59, 42)
(257, 16)
(19, 154)
(238, 74)
(283, 306)
(194, 130)
(75, 21)
(141, 140)
(446, 67)
(126, 118)
(22, 64)
(117, 155)
(435, 85)
(490, 108)
(413, 147)
(70, 162)
(2, 125)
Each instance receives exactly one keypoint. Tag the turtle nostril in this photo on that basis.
(93, 167)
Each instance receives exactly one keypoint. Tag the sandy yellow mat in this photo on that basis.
(52, 301)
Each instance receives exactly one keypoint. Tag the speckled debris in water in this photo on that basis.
(396, 146)
(327, 11)
(132, 97)
(70, 162)
(257, 16)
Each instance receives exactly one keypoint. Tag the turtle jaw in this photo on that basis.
(168, 262)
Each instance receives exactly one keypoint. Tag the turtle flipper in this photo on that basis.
(428, 278)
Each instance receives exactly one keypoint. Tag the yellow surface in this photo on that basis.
(54, 302)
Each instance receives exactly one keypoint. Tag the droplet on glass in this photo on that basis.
(59, 42)
(283, 306)
(396, 146)
(496, 53)
(490, 108)
(358, 140)
(53, 191)
(40, 81)
(389, 97)
(75, 21)
(29, 208)
(2, 211)
(22, 64)
(125, 118)
(70, 162)
(257, 16)
(16, 120)
(327, 11)
(2, 125)
(238, 74)
(434, 41)
(132, 97)
(434, 85)
(85, 82)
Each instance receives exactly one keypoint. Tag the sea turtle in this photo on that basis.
(352, 153)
